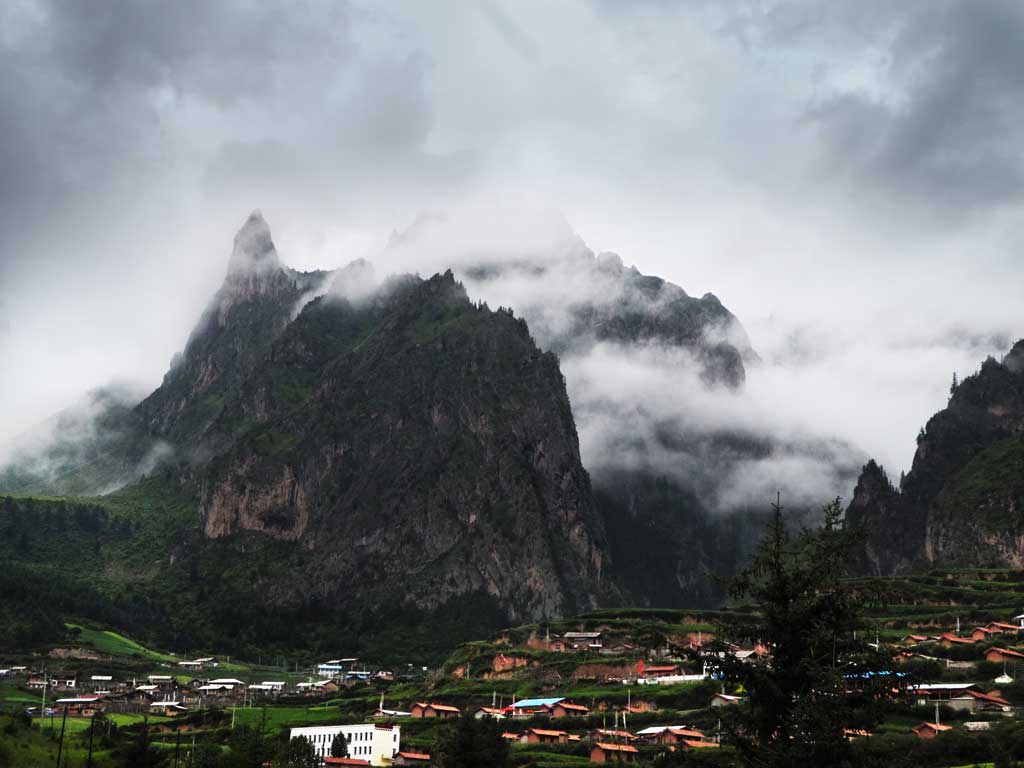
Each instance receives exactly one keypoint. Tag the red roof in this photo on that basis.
(686, 732)
(438, 707)
(696, 744)
(567, 705)
(988, 697)
(950, 637)
(414, 755)
(344, 761)
(932, 727)
(1008, 652)
(542, 732)
(616, 747)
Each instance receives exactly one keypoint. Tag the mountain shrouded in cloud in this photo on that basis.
(658, 379)
(392, 419)
(961, 502)
(419, 447)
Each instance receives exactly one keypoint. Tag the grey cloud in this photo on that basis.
(783, 155)
(946, 131)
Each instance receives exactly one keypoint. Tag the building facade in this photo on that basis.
(377, 743)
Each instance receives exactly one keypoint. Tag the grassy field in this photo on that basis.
(275, 718)
(113, 644)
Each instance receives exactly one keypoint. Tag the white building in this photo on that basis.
(377, 743)
(335, 667)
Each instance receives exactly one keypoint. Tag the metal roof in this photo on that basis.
(527, 703)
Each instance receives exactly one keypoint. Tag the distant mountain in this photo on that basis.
(962, 503)
(356, 453)
(418, 446)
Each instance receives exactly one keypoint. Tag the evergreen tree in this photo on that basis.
(798, 702)
(954, 385)
(249, 748)
(140, 753)
(339, 747)
(297, 753)
(471, 743)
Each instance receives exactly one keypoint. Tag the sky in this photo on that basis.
(846, 176)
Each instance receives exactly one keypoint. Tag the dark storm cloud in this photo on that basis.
(946, 127)
(87, 88)
(793, 157)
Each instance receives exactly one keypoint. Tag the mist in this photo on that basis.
(846, 179)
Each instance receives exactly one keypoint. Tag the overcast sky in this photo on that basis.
(845, 176)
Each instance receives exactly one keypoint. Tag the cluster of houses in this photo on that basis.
(172, 695)
(989, 638)
(375, 744)
(157, 694)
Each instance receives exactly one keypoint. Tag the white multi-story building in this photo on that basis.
(377, 743)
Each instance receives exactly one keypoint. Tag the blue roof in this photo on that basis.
(530, 703)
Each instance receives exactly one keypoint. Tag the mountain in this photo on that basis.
(962, 503)
(408, 448)
(417, 444)
(337, 455)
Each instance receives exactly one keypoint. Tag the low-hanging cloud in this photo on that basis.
(845, 177)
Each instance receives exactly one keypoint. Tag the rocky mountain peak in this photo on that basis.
(254, 250)
(356, 281)
(961, 500)
(1014, 359)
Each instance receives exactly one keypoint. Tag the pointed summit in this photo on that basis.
(254, 251)
(1014, 359)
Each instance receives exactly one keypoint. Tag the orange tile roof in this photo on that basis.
(686, 732)
(616, 747)
(542, 732)
(698, 744)
(932, 726)
(415, 755)
(950, 637)
(440, 707)
(988, 697)
(1008, 652)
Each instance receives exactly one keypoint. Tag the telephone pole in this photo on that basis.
(60, 745)
(92, 729)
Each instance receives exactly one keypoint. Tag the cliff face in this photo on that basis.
(417, 445)
(963, 500)
(253, 307)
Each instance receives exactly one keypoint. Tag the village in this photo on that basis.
(604, 691)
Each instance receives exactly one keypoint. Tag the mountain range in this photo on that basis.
(333, 452)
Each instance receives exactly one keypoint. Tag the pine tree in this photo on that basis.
(954, 385)
(472, 743)
(297, 753)
(339, 747)
(804, 611)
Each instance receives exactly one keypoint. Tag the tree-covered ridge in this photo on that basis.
(960, 503)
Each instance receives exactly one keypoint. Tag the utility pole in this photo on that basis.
(60, 745)
(92, 729)
(42, 706)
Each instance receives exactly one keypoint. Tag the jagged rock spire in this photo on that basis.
(254, 250)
